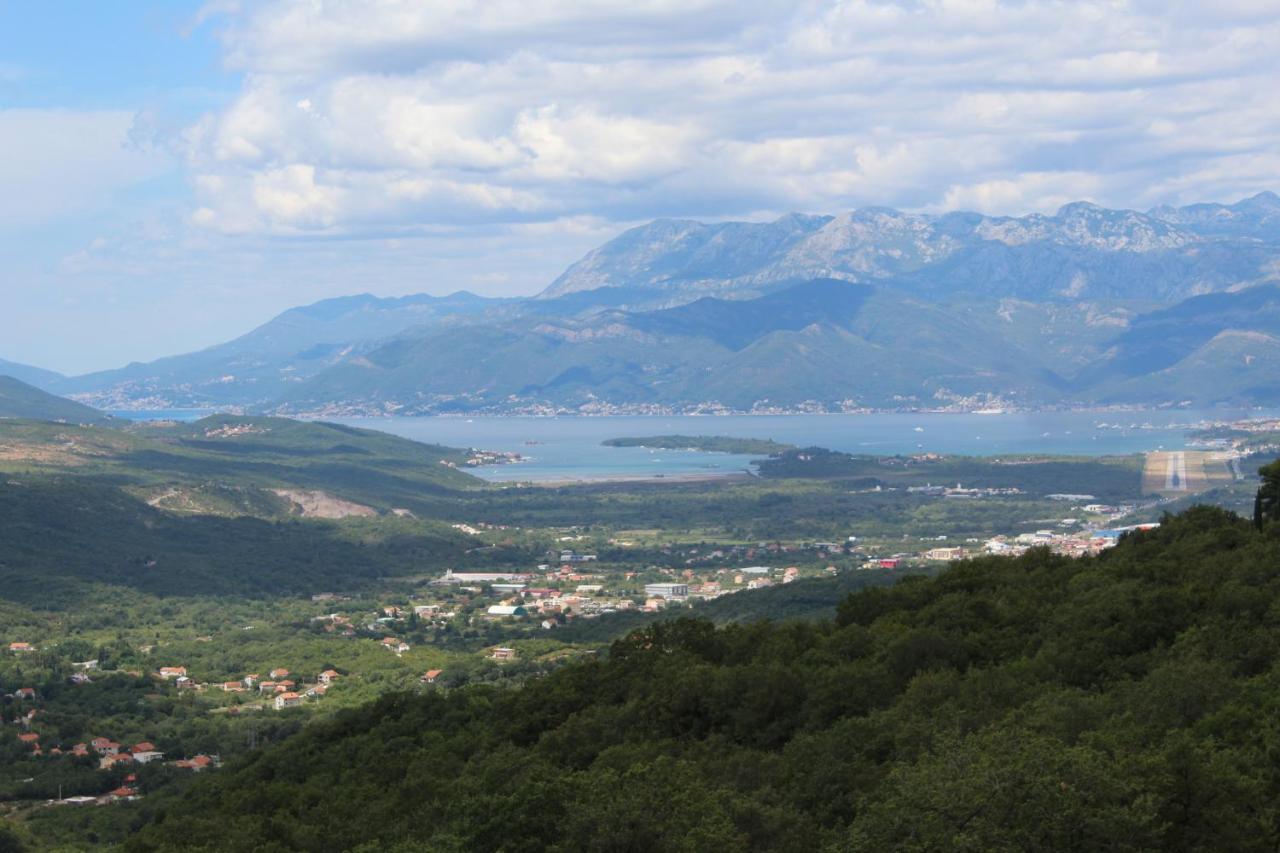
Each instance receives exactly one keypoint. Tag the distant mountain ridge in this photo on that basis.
(37, 376)
(259, 366)
(1257, 217)
(870, 308)
(825, 340)
(1082, 251)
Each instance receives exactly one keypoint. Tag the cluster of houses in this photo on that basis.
(1079, 544)
(336, 623)
(283, 691)
(112, 754)
(582, 594)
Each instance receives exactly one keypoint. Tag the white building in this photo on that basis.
(666, 590)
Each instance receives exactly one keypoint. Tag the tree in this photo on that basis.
(9, 842)
(1266, 505)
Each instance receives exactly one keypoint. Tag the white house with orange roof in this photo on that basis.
(287, 700)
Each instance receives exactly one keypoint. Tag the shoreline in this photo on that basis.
(609, 479)
(570, 415)
(312, 415)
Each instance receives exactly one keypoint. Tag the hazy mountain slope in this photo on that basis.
(894, 351)
(1082, 251)
(1056, 272)
(1221, 347)
(1237, 367)
(1257, 217)
(667, 253)
(486, 366)
(37, 376)
(736, 323)
(258, 366)
(20, 400)
(824, 340)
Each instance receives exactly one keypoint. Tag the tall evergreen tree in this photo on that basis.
(1266, 505)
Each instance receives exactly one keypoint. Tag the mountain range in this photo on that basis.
(870, 308)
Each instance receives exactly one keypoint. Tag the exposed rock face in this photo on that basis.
(1082, 250)
(316, 504)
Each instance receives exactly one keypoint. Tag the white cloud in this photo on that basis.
(362, 115)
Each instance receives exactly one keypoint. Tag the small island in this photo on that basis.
(706, 443)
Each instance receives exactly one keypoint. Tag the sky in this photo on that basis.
(173, 173)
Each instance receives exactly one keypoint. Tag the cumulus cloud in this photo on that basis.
(362, 115)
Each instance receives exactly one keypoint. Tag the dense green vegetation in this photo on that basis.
(1266, 505)
(1124, 702)
(60, 536)
(1110, 478)
(708, 443)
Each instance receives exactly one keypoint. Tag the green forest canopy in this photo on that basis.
(1125, 702)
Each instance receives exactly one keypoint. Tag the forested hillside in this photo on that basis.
(1123, 702)
(20, 400)
(60, 538)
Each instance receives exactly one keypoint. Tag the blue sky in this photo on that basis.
(174, 173)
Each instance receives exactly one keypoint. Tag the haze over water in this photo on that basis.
(569, 448)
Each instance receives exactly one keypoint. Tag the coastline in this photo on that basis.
(608, 479)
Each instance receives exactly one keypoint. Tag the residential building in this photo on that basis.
(287, 700)
(104, 746)
(452, 577)
(198, 763)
